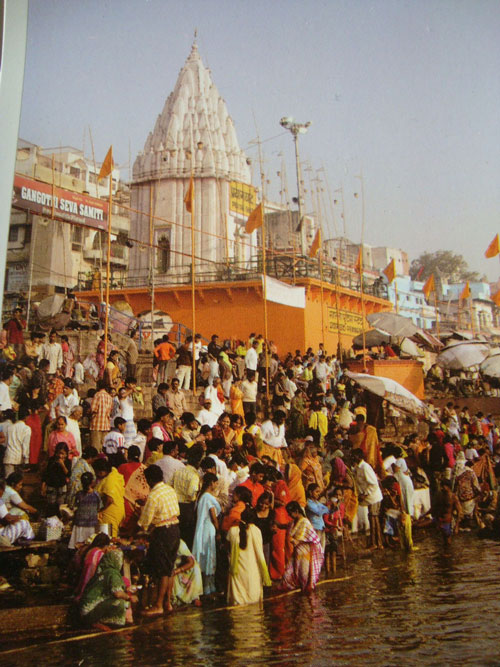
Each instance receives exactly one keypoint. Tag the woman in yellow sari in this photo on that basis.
(236, 398)
(312, 472)
(111, 487)
(293, 478)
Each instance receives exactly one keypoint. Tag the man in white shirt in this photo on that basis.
(64, 404)
(17, 451)
(369, 495)
(251, 357)
(169, 463)
(115, 440)
(321, 371)
(206, 416)
(7, 375)
(53, 352)
(249, 387)
(273, 436)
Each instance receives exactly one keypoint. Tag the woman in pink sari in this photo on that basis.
(136, 488)
(89, 558)
(304, 567)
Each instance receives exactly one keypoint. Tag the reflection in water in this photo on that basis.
(434, 606)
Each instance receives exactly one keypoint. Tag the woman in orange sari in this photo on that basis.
(136, 488)
(236, 398)
(293, 478)
(312, 472)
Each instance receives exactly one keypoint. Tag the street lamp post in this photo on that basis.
(297, 128)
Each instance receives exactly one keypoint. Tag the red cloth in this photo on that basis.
(256, 489)
(15, 331)
(36, 440)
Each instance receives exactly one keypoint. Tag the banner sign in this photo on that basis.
(242, 198)
(288, 295)
(349, 323)
(35, 196)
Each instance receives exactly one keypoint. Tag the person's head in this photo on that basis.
(175, 384)
(360, 420)
(294, 510)
(52, 336)
(162, 388)
(216, 446)
(313, 491)
(242, 494)
(209, 483)
(143, 426)
(264, 501)
(208, 465)
(195, 455)
(153, 475)
(206, 431)
(236, 421)
(216, 382)
(170, 448)
(77, 413)
(207, 404)
(90, 453)
(165, 416)
(87, 481)
(224, 420)
(102, 468)
(134, 454)
(257, 471)
(130, 382)
(67, 387)
(357, 455)
(15, 481)
(279, 417)
(134, 334)
(214, 338)
(61, 423)
(120, 424)
(154, 444)
(61, 451)
(44, 365)
(101, 540)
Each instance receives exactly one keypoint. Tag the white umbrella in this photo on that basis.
(393, 324)
(463, 354)
(411, 348)
(372, 338)
(491, 365)
(392, 391)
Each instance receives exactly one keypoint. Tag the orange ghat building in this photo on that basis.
(235, 309)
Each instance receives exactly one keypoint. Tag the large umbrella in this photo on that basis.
(491, 365)
(463, 354)
(391, 391)
(372, 338)
(393, 324)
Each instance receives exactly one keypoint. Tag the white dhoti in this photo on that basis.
(14, 531)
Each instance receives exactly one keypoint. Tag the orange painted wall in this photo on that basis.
(407, 372)
(233, 310)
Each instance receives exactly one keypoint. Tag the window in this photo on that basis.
(14, 234)
(163, 254)
(76, 238)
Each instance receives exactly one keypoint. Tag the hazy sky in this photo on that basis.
(406, 91)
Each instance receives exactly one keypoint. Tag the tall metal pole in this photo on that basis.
(108, 267)
(295, 133)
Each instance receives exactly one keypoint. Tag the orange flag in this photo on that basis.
(254, 219)
(358, 267)
(465, 292)
(108, 165)
(189, 198)
(316, 244)
(493, 249)
(430, 286)
(390, 271)
(496, 298)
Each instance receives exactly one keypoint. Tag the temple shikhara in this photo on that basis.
(193, 135)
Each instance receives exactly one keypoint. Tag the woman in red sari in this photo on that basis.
(282, 519)
(136, 488)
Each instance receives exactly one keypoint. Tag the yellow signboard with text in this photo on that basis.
(242, 198)
(349, 323)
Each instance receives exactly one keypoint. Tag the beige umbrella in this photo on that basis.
(391, 391)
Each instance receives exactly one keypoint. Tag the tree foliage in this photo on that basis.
(443, 264)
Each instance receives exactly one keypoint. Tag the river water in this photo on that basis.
(433, 607)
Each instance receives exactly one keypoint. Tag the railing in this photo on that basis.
(282, 267)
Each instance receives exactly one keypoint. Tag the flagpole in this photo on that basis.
(151, 262)
(337, 308)
(108, 265)
(264, 272)
(362, 305)
(193, 281)
(322, 296)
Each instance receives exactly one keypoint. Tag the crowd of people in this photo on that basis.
(259, 480)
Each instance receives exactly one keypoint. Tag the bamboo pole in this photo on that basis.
(473, 328)
(337, 307)
(151, 262)
(396, 296)
(193, 283)
(437, 311)
(322, 297)
(108, 267)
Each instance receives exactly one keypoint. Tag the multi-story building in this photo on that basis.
(57, 236)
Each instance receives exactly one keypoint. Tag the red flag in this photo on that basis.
(189, 198)
(316, 244)
(108, 165)
(430, 286)
(358, 267)
(390, 271)
(465, 292)
(493, 249)
(254, 220)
